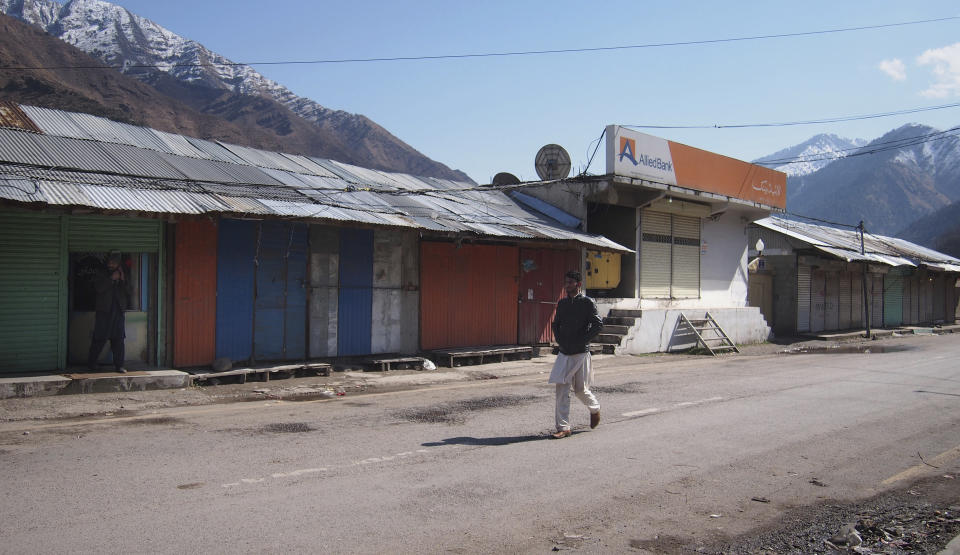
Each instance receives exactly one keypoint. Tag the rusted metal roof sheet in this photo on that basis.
(13, 117)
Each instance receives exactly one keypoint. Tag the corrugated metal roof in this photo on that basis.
(309, 166)
(138, 169)
(55, 122)
(214, 151)
(142, 161)
(845, 244)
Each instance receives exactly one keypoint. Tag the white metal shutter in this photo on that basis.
(818, 300)
(856, 300)
(655, 254)
(843, 319)
(803, 298)
(686, 258)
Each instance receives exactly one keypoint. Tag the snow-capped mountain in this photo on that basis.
(811, 155)
(889, 183)
(160, 57)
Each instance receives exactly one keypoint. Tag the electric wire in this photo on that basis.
(837, 119)
(871, 148)
(502, 54)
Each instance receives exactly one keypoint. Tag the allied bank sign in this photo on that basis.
(641, 156)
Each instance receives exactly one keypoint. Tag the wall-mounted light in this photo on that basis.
(760, 246)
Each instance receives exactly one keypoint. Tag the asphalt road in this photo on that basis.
(696, 449)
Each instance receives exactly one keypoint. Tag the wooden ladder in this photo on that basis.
(716, 340)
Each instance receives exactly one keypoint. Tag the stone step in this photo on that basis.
(608, 339)
(615, 329)
(620, 312)
(619, 321)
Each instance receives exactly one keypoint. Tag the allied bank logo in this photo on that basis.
(628, 150)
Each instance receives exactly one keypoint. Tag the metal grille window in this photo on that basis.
(669, 256)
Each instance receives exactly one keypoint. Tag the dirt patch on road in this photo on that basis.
(921, 518)
(455, 412)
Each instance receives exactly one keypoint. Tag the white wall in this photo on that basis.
(723, 261)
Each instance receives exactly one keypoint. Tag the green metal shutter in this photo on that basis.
(685, 281)
(31, 334)
(102, 233)
(655, 249)
(893, 298)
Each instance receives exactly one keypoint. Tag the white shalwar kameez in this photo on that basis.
(577, 371)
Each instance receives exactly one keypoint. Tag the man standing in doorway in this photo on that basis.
(575, 324)
(113, 296)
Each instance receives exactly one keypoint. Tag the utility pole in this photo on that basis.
(863, 279)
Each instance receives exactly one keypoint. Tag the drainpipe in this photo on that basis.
(863, 278)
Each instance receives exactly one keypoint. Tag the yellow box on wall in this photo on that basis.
(603, 270)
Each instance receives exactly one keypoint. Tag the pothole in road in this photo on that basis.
(287, 428)
(629, 387)
(455, 412)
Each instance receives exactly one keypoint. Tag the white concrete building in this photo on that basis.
(685, 212)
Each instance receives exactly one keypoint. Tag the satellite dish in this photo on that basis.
(552, 162)
(504, 178)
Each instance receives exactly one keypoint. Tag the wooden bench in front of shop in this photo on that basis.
(262, 374)
(394, 363)
(479, 355)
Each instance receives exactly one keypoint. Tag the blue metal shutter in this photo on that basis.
(295, 316)
(268, 304)
(236, 250)
(355, 307)
(32, 332)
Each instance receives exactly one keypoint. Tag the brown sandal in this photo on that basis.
(561, 434)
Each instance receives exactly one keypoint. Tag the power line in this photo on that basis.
(504, 54)
(800, 122)
(872, 148)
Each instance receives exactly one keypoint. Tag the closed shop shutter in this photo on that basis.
(803, 298)
(236, 261)
(939, 298)
(655, 254)
(856, 300)
(844, 305)
(893, 298)
(280, 311)
(541, 286)
(832, 301)
(685, 282)
(907, 299)
(818, 285)
(195, 293)
(32, 332)
(468, 295)
(355, 308)
(105, 233)
(876, 307)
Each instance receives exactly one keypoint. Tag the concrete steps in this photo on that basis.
(616, 326)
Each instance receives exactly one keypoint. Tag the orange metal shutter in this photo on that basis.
(195, 293)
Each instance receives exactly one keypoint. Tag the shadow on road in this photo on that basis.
(485, 441)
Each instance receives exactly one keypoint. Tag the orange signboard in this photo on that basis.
(634, 154)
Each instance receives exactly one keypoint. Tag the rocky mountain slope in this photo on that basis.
(209, 83)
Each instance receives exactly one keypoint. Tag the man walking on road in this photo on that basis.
(575, 324)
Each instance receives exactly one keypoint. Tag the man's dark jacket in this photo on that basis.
(576, 323)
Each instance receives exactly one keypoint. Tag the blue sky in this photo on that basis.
(486, 115)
